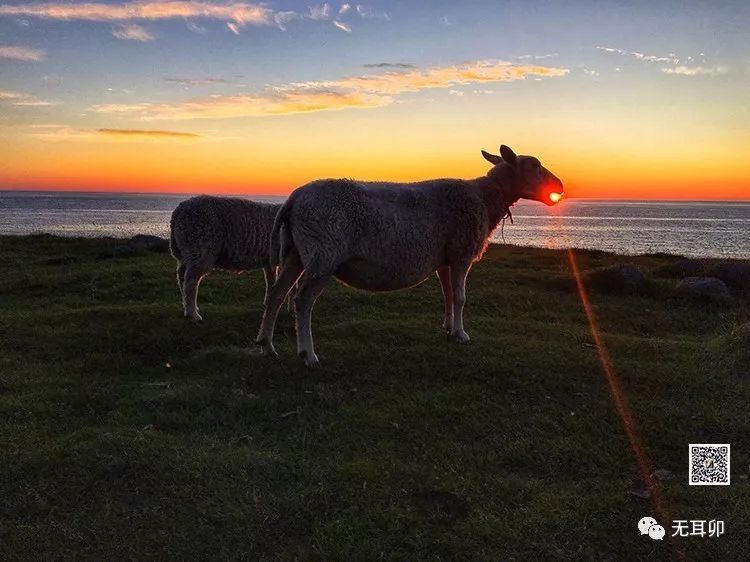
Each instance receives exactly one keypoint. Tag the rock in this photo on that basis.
(148, 242)
(621, 277)
(662, 474)
(735, 274)
(708, 289)
(680, 269)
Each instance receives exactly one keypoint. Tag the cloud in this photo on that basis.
(208, 81)
(414, 80)
(235, 14)
(672, 58)
(132, 32)
(365, 91)
(321, 12)
(389, 65)
(195, 28)
(238, 12)
(342, 26)
(147, 133)
(22, 100)
(538, 57)
(223, 107)
(22, 53)
(66, 132)
(283, 18)
(367, 13)
(695, 70)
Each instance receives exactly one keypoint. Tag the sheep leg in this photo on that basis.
(290, 298)
(181, 278)
(290, 272)
(309, 291)
(444, 274)
(269, 276)
(194, 273)
(458, 282)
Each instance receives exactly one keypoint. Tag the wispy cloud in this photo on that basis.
(205, 81)
(239, 12)
(342, 26)
(320, 12)
(671, 57)
(369, 90)
(66, 132)
(22, 53)
(132, 32)
(148, 133)
(367, 13)
(235, 14)
(283, 18)
(695, 70)
(683, 66)
(23, 100)
(538, 57)
(401, 65)
(223, 107)
(195, 28)
(438, 77)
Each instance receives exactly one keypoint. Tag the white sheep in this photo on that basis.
(220, 233)
(387, 236)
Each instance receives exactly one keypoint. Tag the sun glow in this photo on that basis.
(555, 197)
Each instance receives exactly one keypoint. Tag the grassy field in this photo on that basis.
(127, 432)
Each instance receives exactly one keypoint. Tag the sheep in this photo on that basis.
(229, 233)
(388, 236)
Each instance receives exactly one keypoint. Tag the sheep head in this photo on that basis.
(524, 176)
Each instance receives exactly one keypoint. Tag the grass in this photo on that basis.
(128, 433)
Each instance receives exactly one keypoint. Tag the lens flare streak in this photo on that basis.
(621, 405)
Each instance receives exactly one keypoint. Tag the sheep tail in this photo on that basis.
(281, 220)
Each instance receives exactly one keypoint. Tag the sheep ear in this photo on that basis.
(508, 155)
(491, 158)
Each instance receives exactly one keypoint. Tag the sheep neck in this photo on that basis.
(497, 195)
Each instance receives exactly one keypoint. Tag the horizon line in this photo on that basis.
(246, 194)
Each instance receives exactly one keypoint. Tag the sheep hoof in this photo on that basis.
(194, 317)
(460, 337)
(265, 351)
(448, 327)
(310, 359)
(265, 348)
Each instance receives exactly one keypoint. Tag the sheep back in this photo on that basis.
(230, 232)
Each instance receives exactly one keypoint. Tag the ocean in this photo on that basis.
(688, 228)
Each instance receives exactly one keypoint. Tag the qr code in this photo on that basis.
(709, 464)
